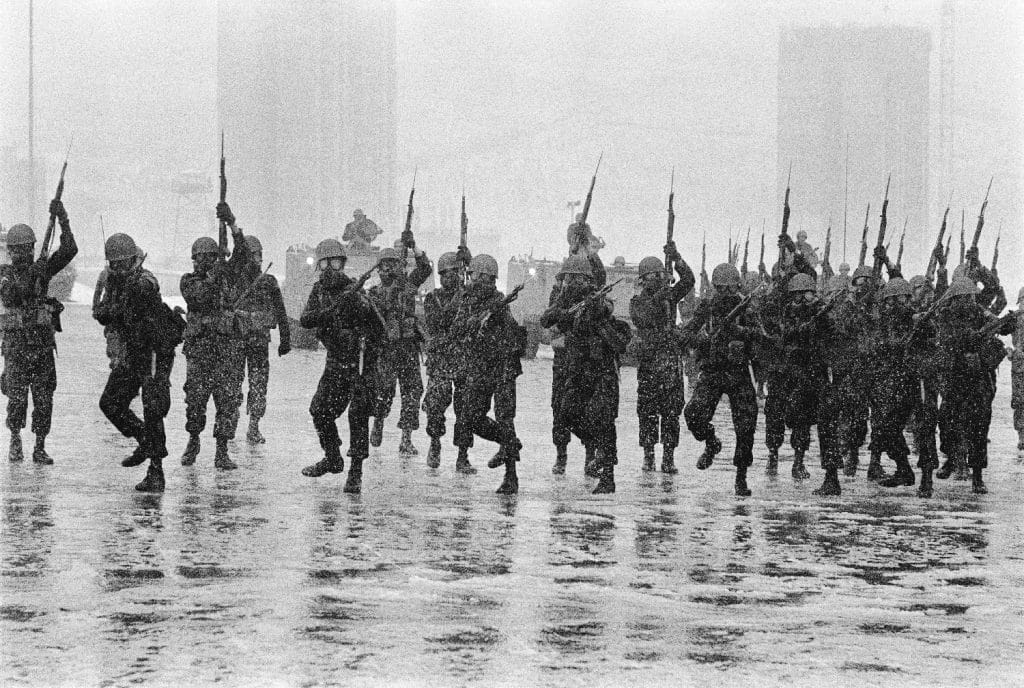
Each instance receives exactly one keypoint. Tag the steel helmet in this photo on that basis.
(358, 212)
(389, 254)
(330, 248)
(619, 262)
(120, 246)
(651, 264)
(897, 286)
(483, 264)
(918, 281)
(862, 271)
(962, 287)
(960, 272)
(447, 261)
(253, 243)
(844, 268)
(20, 235)
(577, 265)
(801, 282)
(725, 275)
(204, 245)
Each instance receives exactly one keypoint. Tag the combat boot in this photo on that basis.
(498, 459)
(830, 486)
(850, 468)
(904, 475)
(354, 481)
(221, 460)
(331, 463)
(590, 467)
(1020, 440)
(434, 455)
(977, 484)
(773, 461)
(510, 484)
(875, 471)
(925, 490)
(462, 464)
(741, 482)
(606, 484)
(798, 471)
(254, 436)
(15, 452)
(377, 432)
(561, 458)
(648, 464)
(154, 480)
(39, 454)
(136, 458)
(668, 461)
(946, 469)
(191, 451)
(712, 445)
(405, 447)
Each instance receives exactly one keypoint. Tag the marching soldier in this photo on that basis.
(395, 300)
(660, 372)
(29, 325)
(148, 332)
(214, 339)
(594, 340)
(266, 306)
(352, 333)
(481, 326)
(445, 362)
(1016, 353)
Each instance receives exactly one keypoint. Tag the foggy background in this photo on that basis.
(515, 101)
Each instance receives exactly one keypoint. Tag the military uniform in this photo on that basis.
(1017, 375)
(29, 323)
(660, 369)
(353, 335)
(214, 340)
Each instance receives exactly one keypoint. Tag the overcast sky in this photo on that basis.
(515, 99)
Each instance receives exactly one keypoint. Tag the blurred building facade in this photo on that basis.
(306, 100)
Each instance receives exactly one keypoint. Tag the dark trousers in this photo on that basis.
(711, 386)
(965, 416)
(150, 374)
(400, 363)
(660, 397)
(793, 398)
(341, 388)
(893, 398)
(443, 392)
(256, 359)
(479, 393)
(925, 421)
(213, 369)
(560, 434)
(589, 406)
(28, 370)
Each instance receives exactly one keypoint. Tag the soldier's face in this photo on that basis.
(121, 265)
(21, 254)
(727, 289)
(204, 261)
(257, 257)
(804, 297)
(923, 296)
(449, 279)
(389, 269)
(654, 280)
(480, 279)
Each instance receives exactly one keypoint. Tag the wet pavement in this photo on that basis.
(261, 576)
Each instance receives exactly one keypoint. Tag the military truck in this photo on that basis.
(301, 274)
(538, 276)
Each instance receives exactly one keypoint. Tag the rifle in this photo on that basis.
(746, 251)
(864, 238)
(932, 261)
(43, 282)
(252, 285)
(883, 222)
(736, 311)
(593, 298)
(962, 247)
(704, 286)
(995, 252)
(729, 253)
(826, 268)
(760, 263)
(222, 230)
(981, 217)
(671, 221)
(494, 308)
(899, 253)
(590, 195)
(408, 224)
(927, 315)
(103, 232)
(463, 235)
(785, 215)
(358, 284)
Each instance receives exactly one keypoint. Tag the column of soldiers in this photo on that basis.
(862, 358)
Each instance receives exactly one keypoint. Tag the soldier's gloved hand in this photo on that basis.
(284, 347)
(880, 255)
(407, 239)
(972, 255)
(224, 213)
(58, 211)
(671, 252)
(462, 255)
(786, 242)
(940, 256)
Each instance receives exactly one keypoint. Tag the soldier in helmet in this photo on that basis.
(28, 331)
(968, 353)
(1016, 353)
(446, 374)
(347, 325)
(481, 325)
(132, 310)
(214, 339)
(804, 249)
(361, 231)
(723, 349)
(594, 340)
(660, 372)
(560, 435)
(395, 301)
(264, 302)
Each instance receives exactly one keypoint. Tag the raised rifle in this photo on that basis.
(864, 238)
(899, 252)
(785, 216)
(877, 268)
(963, 248)
(932, 260)
(407, 234)
(746, 252)
(463, 235)
(761, 268)
(704, 281)
(671, 221)
(222, 230)
(826, 267)
(582, 222)
(43, 284)
(981, 217)
(995, 252)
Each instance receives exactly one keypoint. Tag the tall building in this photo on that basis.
(861, 91)
(306, 99)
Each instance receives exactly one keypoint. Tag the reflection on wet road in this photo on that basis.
(262, 576)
